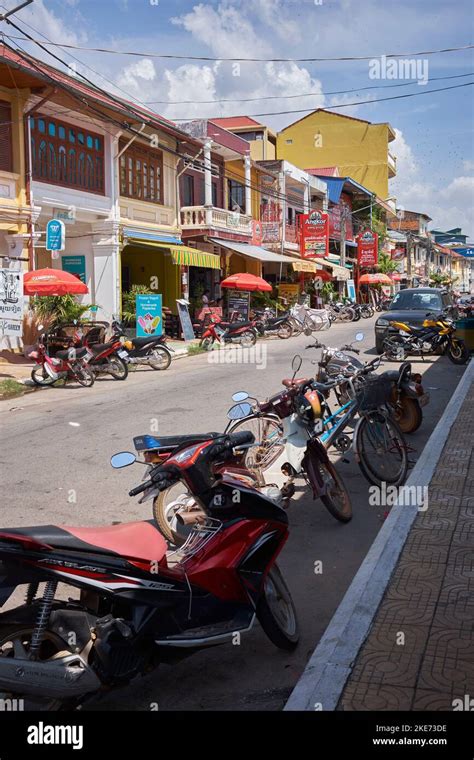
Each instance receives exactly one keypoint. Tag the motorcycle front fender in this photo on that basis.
(315, 452)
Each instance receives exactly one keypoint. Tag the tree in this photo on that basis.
(386, 265)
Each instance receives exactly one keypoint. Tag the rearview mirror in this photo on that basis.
(240, 396)
(122, 459)
(239, 411)
(359, 337)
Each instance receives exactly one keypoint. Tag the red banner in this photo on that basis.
(341, 209)
(257, 232)
(314, 234)
(367, 248)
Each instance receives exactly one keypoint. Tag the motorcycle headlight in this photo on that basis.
(383, 322)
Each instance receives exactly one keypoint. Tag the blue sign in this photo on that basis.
(55, 235)
(75, 265)
(467, 252)
(351, 293)
(149, 316)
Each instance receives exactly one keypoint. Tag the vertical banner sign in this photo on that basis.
(185, 319)
(314, 234)
(149, 316)
(75, 265)
(351, 293)
(11, 303)
(367, 248)
(55, 235)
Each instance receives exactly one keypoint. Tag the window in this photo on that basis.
(141, 174)
(235, 196)
(289, 141)
(188, 190)
(56, 159)
(6, 155)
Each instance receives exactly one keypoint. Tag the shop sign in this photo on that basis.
(149, 316)
(238, 301)
(11, 328)
(11, 295)
(66, 215)
(257, 233)
(336, 213)
(55, 235)
(288, 291)
(351, 293)
(398, 254)
(270, 232)
(314, 234)
(367, 249)
(75, 265)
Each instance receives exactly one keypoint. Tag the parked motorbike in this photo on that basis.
(67, 364)
(435, 336)
(267, 324)
(109, 358)
(151, 351)
(408, 396)
(234, 332)
(383, 303)
(139, 603)
(339, 312)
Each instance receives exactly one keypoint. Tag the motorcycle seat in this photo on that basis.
(237, 325)
(140, 342)
(141, 540)
(169, 442)
(97, 348)
(67, 353)
(298, 382)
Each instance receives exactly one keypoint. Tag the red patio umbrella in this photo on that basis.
(326, 276)
(245, 281)
(375, 279)
(52, 282)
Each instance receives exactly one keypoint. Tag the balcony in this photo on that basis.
(392, 164)
(202, 217)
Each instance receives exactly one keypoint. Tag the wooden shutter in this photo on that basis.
(6, 161)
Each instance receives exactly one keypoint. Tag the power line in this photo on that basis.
(345, 105)
(249, 60)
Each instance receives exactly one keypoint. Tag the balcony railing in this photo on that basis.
(201, 217)
(392, 163)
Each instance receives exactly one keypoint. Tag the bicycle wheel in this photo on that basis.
(268, 433)
(381, 450)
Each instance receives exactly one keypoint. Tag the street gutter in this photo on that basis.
(326, 673)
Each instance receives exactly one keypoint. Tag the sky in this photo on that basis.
(434, 144)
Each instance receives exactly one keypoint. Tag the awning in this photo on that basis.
(183, 255)
(254, 251)
(304, 266)
(132, 236)
(340, 273)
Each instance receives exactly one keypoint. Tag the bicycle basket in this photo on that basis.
(373, 392)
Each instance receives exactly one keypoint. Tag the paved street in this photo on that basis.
(62, 439)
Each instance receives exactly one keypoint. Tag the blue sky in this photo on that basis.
(434, 145)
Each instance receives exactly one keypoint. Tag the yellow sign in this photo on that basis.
(288, 291)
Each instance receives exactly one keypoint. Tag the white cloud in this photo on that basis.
(133, 77)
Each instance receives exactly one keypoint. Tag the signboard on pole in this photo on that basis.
(149, 316)
(314, 234)
(238, 301)
(55, 235)
(367, 248)
(185, 319)
(75, 265)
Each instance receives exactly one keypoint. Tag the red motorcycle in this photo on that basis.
(107, 358)
(217, 331)
(68, 364)
(141, 604)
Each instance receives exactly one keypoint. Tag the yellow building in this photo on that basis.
(358, 148)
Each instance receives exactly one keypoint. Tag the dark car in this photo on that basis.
(412, 306)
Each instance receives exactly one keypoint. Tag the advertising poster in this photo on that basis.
(238, 301)
(351, 293)
(75, 265)
(185, 319)
(314, 235)
(149, 316)
(289, 292)
(367, 249)
(11, 295)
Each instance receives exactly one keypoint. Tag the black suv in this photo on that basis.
(412, 306)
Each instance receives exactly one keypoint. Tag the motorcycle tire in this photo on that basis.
(357, 316)
(260, 328)
(44, 380)
(367, 312)
(84, 376)
(392, 348)
(276, 612)
(121, 368)
(248, 338)
(408, 415)
(347, 315)
(164, 360)
(206, 343)
(285, 331)
(337, 501)
(458, 352)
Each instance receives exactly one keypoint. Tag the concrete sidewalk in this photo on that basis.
(419, 654)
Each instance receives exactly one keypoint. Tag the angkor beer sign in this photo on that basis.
(314, 234)
(367, 248)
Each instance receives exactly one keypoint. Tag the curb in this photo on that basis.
(324, 678)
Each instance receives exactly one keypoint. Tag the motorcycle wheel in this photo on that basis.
(356, 316)
(458, 352)
(206, 343)
(337, 501)
(40, 377)
(395, 349)
(84, 376)
(347, 315)
(367, 312)
(285, 331)
(248, 338)
(260, 328)
(276, 612)
(408, 415)
(161, 358)
(118, 369)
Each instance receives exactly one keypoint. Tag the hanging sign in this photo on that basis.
(314, 234)
(55, 235)
(367, 248)
(149, 316)
(398, 254)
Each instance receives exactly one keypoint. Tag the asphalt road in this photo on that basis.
(57, 444)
